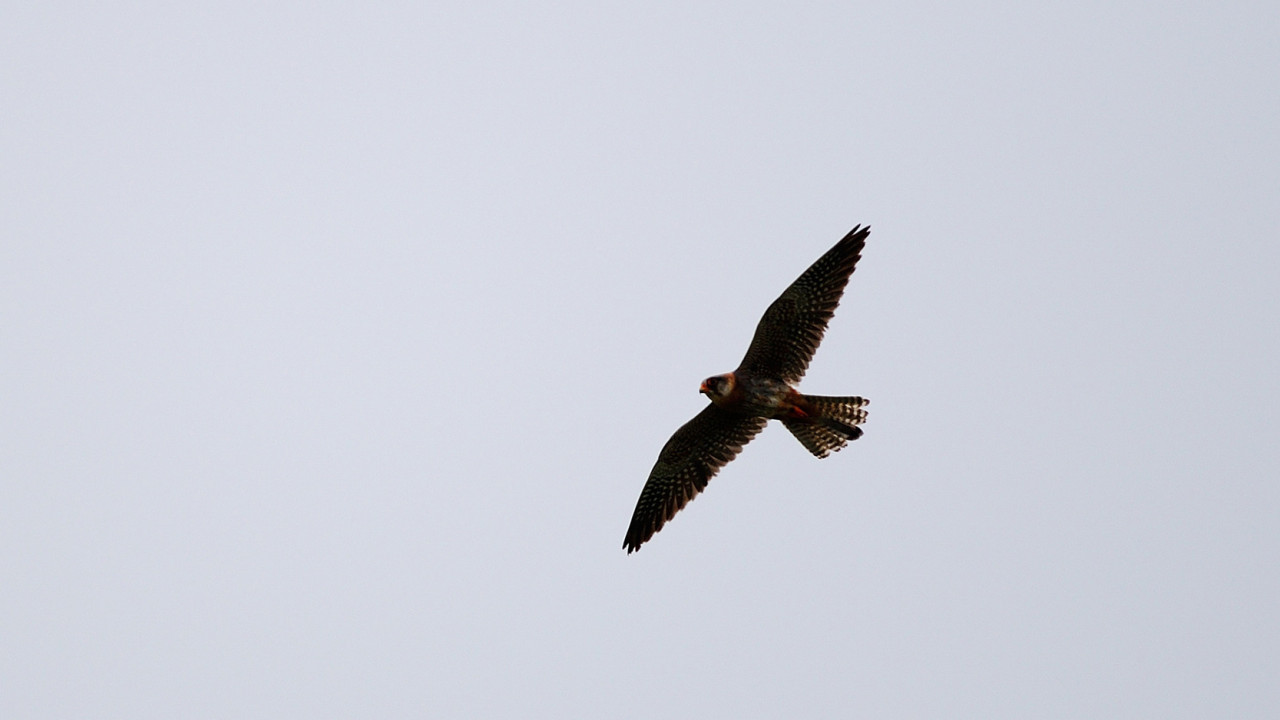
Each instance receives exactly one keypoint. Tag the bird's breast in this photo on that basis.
(771, 399)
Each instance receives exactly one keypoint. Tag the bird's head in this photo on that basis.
(718, 388)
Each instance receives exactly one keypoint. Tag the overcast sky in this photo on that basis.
(338, 343)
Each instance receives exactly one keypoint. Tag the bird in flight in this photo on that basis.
(761, 389)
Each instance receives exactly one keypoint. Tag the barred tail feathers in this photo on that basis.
(831, 424)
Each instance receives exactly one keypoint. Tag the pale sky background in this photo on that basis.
(338, 342)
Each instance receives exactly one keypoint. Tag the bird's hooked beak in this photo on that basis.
(704, 389)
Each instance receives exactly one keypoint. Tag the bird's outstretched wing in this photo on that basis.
(689, 459)
(792, 327)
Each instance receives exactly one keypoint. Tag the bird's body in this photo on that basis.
(751, 395)
(759, 390)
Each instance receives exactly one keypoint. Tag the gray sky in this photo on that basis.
(339, 342)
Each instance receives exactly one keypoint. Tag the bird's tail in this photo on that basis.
(831, 423)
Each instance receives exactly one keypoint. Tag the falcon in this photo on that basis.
(760, 390)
